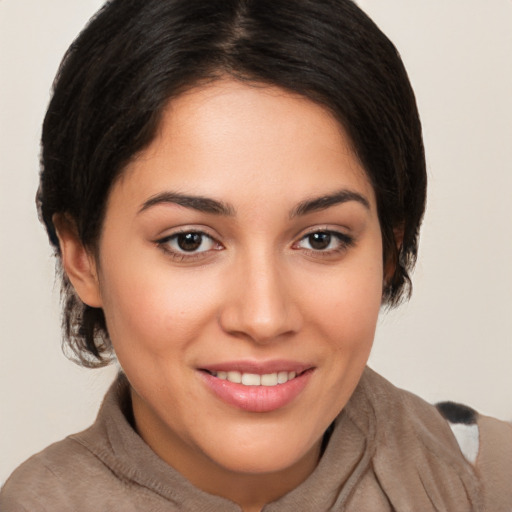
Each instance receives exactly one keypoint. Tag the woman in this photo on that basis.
(233, 190)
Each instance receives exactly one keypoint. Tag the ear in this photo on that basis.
(391, 263)
(78, 262)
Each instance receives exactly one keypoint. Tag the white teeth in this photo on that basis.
(282, 377)
(253, 379)
(269, 379)
(235, 377)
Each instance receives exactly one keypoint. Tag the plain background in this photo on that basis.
(452, 341)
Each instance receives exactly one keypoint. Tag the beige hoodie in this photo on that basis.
(389, 451)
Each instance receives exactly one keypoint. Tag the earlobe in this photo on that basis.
(78, 263)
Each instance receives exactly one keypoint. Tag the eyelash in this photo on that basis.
(177, 255)
(343, 243)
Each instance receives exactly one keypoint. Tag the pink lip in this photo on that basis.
(257, 398)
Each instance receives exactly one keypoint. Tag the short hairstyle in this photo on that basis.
(134, 56)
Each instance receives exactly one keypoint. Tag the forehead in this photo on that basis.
(230, 138)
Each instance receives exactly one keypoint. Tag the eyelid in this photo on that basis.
(187, 256)
(345, 241)
(339, 231)
(186, 228)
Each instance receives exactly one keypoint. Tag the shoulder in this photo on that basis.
(90, 470)
(479, 447)
(494, 462)
(487, 444)
(67, 476)
(43, 481)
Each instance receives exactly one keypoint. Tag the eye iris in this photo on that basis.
(189, 241)
(320, 241)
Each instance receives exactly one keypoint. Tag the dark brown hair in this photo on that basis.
(136, 55)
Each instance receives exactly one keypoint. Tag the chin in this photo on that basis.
(259, 464)
(269, 452)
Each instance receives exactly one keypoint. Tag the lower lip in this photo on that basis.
(257, 398)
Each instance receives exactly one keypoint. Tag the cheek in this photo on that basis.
(150, 309)
(347, 304)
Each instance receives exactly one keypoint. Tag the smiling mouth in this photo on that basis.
(254, 379)
(257, 389)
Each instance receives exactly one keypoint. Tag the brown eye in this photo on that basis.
(319, 241)
(192, 242)
(325, 242)
(189, 241)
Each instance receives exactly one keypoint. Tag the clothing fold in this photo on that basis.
(389, 451)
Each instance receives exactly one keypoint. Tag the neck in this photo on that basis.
(251, 491)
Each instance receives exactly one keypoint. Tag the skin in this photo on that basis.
(256, 290)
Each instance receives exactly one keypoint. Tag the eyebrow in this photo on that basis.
(323, 202)
(212, 206)
(199, 203)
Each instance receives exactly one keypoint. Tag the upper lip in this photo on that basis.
(258, 367)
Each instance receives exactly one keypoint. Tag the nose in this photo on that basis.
(261, 305)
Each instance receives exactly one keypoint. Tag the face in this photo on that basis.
(240, 272)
